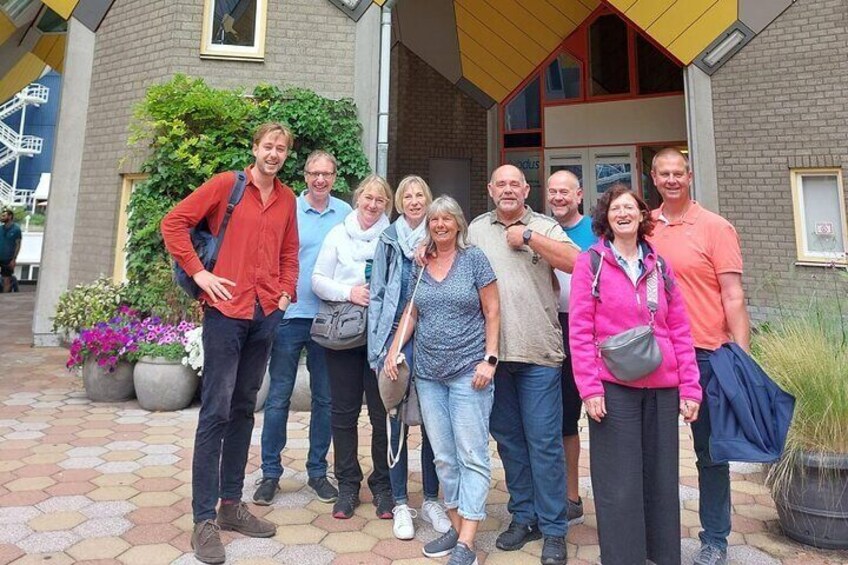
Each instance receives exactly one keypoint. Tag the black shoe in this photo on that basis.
(324, 489)
(385, 502)
(554, 552)
(345, 505)
(266, 491)
(516, 535)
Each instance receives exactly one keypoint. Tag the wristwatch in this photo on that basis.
(492, 360)
(528, 233)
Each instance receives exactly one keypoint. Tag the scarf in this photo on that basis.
(364, 242)
(409, 238)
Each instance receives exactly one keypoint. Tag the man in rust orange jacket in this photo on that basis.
(254, 281)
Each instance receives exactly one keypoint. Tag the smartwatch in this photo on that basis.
(492, 360)
(528, 233)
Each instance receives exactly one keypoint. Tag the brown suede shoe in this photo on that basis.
(238, 518)
(206, 542)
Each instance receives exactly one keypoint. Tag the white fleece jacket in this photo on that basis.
(341, 261)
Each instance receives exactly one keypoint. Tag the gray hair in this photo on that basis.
(446, 205)
(320, 154)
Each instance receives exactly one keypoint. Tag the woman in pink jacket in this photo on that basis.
(633, 428)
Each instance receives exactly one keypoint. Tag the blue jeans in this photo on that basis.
(456, 416)
(399, 474)
(527, 424)
(713, 478)
(235, 355)
(292, 337)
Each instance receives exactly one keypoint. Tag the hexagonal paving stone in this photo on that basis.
(29, 483)
(153, 515)
(116, 467)
(305, 555)
(52, 557)
(290, 516)
(115, 479)
(155, 499)
(45, 542)
(349, 542)
(56, 521)
(103, 527)
(11, 533)
(157, 471)
(299, 534)
(244, 548)
(81, 462)
(149, 554)
(18, 514)
(60, 503)
(113, 493)
(87, 451)
(124, 445)
(99, 548)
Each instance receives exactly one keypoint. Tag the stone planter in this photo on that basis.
(164, 385)
(102, 386)
(813, 507)
(262, 395)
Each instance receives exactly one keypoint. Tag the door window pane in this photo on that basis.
(822, 215)
(607, 174)
(524, 111)
(608, 56)
(562, 78)
(529, 162)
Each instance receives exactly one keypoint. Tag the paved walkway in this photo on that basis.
(110, 483)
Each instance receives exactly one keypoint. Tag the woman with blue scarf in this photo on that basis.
(392, 269)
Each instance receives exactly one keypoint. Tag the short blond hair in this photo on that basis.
(273, 127)
(372, 181)
(405, 185)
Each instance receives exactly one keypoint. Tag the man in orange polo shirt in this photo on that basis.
(703, 248)
(254, 281)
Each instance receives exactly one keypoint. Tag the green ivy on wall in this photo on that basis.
(191, 131)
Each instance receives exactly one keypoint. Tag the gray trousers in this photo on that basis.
(634, 460)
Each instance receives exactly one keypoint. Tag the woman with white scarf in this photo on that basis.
(342, 273)
(390, 283)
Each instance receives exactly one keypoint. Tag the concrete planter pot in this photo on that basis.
(301, 399)
(103, 386)
(813, 507)
(262, 395)
(164, 385)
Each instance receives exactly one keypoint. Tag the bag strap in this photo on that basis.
(597, 261)
(653, 292)
(236, 192)
(391, 456)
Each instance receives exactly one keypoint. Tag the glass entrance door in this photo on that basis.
(598, 168)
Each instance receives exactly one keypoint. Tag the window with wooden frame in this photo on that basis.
(130, 181)
(818, 201)
(234, 29)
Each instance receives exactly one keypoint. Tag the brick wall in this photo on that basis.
(432, 119)
(308, 43)
(778, 104)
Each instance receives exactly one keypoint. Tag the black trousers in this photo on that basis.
(634, 454)
(350, 376)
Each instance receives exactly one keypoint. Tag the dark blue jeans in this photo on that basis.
(526, 422)
(292, 338)
(713, 478)
(235, 356)
(399, 474)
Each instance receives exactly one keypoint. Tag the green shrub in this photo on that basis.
(87, 304)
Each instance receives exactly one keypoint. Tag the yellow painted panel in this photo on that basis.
(623, 5)
(28, 69)
(645, 12)
(482, 80)
(514, 58)
(498, 24)
(493, 66)
(545, 13)
(701, 33)
(575, 10)
(379, 2)
(677, 20)
(51, 49)
(7, 28)
(62, 7)
(542, 33)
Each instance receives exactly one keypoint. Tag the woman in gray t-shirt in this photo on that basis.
(456, 319)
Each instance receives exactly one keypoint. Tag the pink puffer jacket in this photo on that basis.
(622, 306)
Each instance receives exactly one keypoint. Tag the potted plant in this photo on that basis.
(807, 355)
(86, 305)
(103, 353)
(163, 380)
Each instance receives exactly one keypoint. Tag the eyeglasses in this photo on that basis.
(316, 174)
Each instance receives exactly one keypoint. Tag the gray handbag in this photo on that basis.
(635, 353)
(340, 325)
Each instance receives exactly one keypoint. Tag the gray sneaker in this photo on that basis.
(711, 555)
(206, 542)
(442, 545)
(462, 555)
(575, 512)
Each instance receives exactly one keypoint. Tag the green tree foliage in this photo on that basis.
(191, 131)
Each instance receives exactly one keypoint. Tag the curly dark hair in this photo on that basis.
(600, 220)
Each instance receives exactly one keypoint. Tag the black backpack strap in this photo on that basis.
(595, 260)
(667, 283)
(236, 192)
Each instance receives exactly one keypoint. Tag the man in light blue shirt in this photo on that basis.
(565, 195)
(317, 213)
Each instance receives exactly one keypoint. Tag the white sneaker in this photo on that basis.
(403, 527)
(433, 512)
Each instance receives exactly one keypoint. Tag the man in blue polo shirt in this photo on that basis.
(565, 195)
(317, 213)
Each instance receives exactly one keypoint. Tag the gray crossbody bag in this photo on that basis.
(634, 353)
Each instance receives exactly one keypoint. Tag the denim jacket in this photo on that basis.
(386, 280)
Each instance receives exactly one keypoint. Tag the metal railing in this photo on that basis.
(7, 193)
